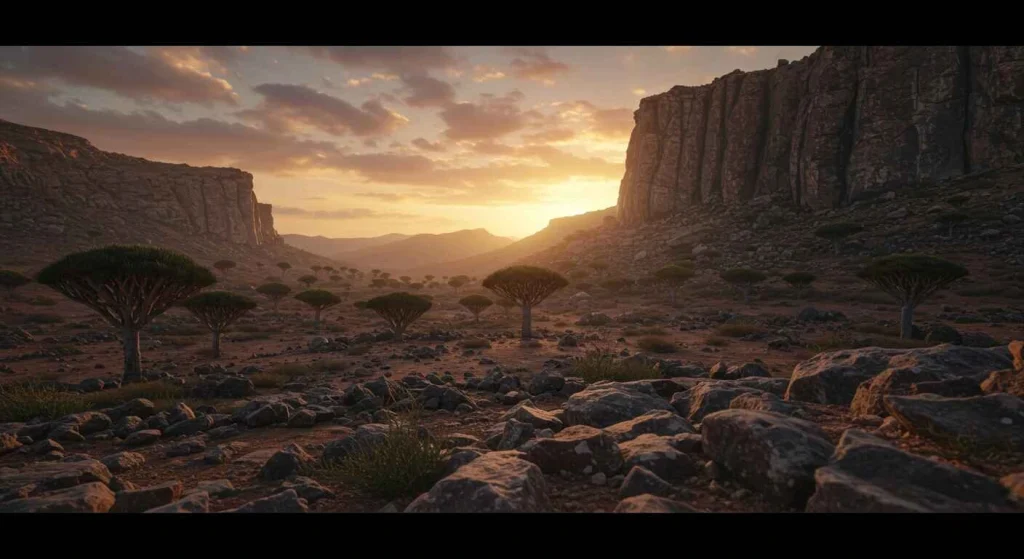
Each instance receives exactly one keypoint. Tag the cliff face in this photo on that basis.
(842, 124)
(60, 185)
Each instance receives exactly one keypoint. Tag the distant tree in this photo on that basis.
(457, 282)
(217, 310)
(800, 280)
(911, 279)
(335, 278)
(224, 265)
(429, 278)
(319, 300)
(385, 275)
(316, 269)
(416, 285)
(378, 283)
(405, 279)
(433, 285)
(11, 280)
(284, 267)
(375, 272)
(328, 269)
(950, 220)
(505, 304)
(673, 277)
(399, 310)
(958, 200)
(274, 291)
(744, 279)
(307, 280)
(128, 286)
(599, 266)
(476, 304)
(836, 232)
(615, 285)
(527, 286)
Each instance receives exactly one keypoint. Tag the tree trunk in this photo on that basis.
(672, 296)
(907, 322)
(276, 301)
(399, 332)
(476, 317)
(132, 356)
(316, 321)
(216, 344)
(527, 332)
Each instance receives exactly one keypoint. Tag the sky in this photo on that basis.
(358, 141)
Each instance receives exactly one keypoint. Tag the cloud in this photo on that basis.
(535, 64)
(348, 213)
(611, 124)
(639, 91)
(486, 73)
(743, 51)
(551, 135)
(425, 91)
(677, 50)
(290, 108)
(327, 82)
(426, 145)
(204, 59)
(160, 75)
(396, 59)
(492, 117)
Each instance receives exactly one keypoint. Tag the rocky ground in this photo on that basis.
(748, 410)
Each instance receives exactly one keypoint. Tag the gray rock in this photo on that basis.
(306, 488)
(222, 454)
(657, 422)
(740, 371)
(577, 450)
(262, 417)
(515, 434)
(142, 500)
(142, 438)
(186, 448)
(494, 482)
(193, 503)
(66, 432)
(180, 412)
(763, 401)
(546, 382)
(641, 481)
(291, 460)
(526, 413)
(364, 436)
(123, 462)
(216, 488)
(189, 427)
(287, 501)
(602, 407)
(302, 419)
(460, 457)
(659, 455)
(769, 453)
(86, 497)
(652, 504)
(710, 397)
(46, 476)
(127, 425)
(867, 474)
(139, 407)
(833, 377)
(993, 421)
(87, 422)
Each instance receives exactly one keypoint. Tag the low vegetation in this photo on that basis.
(598, 365)
(655, 344)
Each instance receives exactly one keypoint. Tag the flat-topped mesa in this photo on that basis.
(843, 124)
(59, 184)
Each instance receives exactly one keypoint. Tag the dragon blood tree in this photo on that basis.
(128, 286)
(744, 279)
(399, 310)
(526, 286)
(223, 266)
(319, 300)
(801, 281)
(307, 280)
(274, 291)
(674, 277)
(476, 304)
(910, 279)
(836, 232)
(217, 310)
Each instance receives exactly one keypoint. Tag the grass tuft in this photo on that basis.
(597, 365)
(26, 401)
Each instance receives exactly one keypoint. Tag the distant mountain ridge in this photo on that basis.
(328, 246)
(520, 250)
(423, 250)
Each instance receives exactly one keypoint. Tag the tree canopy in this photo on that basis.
(274, 290)
(799, 279)
(319, 299)
(838, 231)
(674, 274)
(218, 309)
(743, 276)
(399, 310)
(224, 265)
(525, 285)
(307, 280)
(476, 303)
(911, 278)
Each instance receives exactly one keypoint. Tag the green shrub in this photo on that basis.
(22, 402)
(405, 463)
(597, 365)
(656, 345)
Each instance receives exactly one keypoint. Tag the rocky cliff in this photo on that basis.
(61, 187)
(843, 124)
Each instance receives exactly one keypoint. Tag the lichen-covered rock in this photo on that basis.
(539, 418)
(123, 462)
(993, 421)
(87, 497)
(659, 455)
(769, 453)
(657, 422)
(833, 377)
(494, 482)
(602, 407)
(762, 401)
(709, 397)
(652, 504)
(867, 474)
(579, 450)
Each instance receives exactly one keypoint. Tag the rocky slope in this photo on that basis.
(423, 250)
(60, 188)
(330, 246)
(843, 124)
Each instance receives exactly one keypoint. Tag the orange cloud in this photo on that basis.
(294, 107)
(535, 64)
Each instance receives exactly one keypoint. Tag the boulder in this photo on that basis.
(657, 422)
(602, 407)
(286, 462)
(197, 502)
(710, 397)
(186, 448)
(994, 421)
(578, 450)
(189, 427)
(86, 497)
(833, 377)
(364, 436)
(545, 382)
(142, 438)
(88, 422)
(867, 474)
(302, 419)
(762, 401)
(494, 482)
(740, 371)
(659, 455)
(306, 488)
(123, 462)
(539, 418)
(515, 434)
(126, 426)
(46, 476)
(641, 481)
(652, 504)
(768, 453)
(287, 501)
(147, 498)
